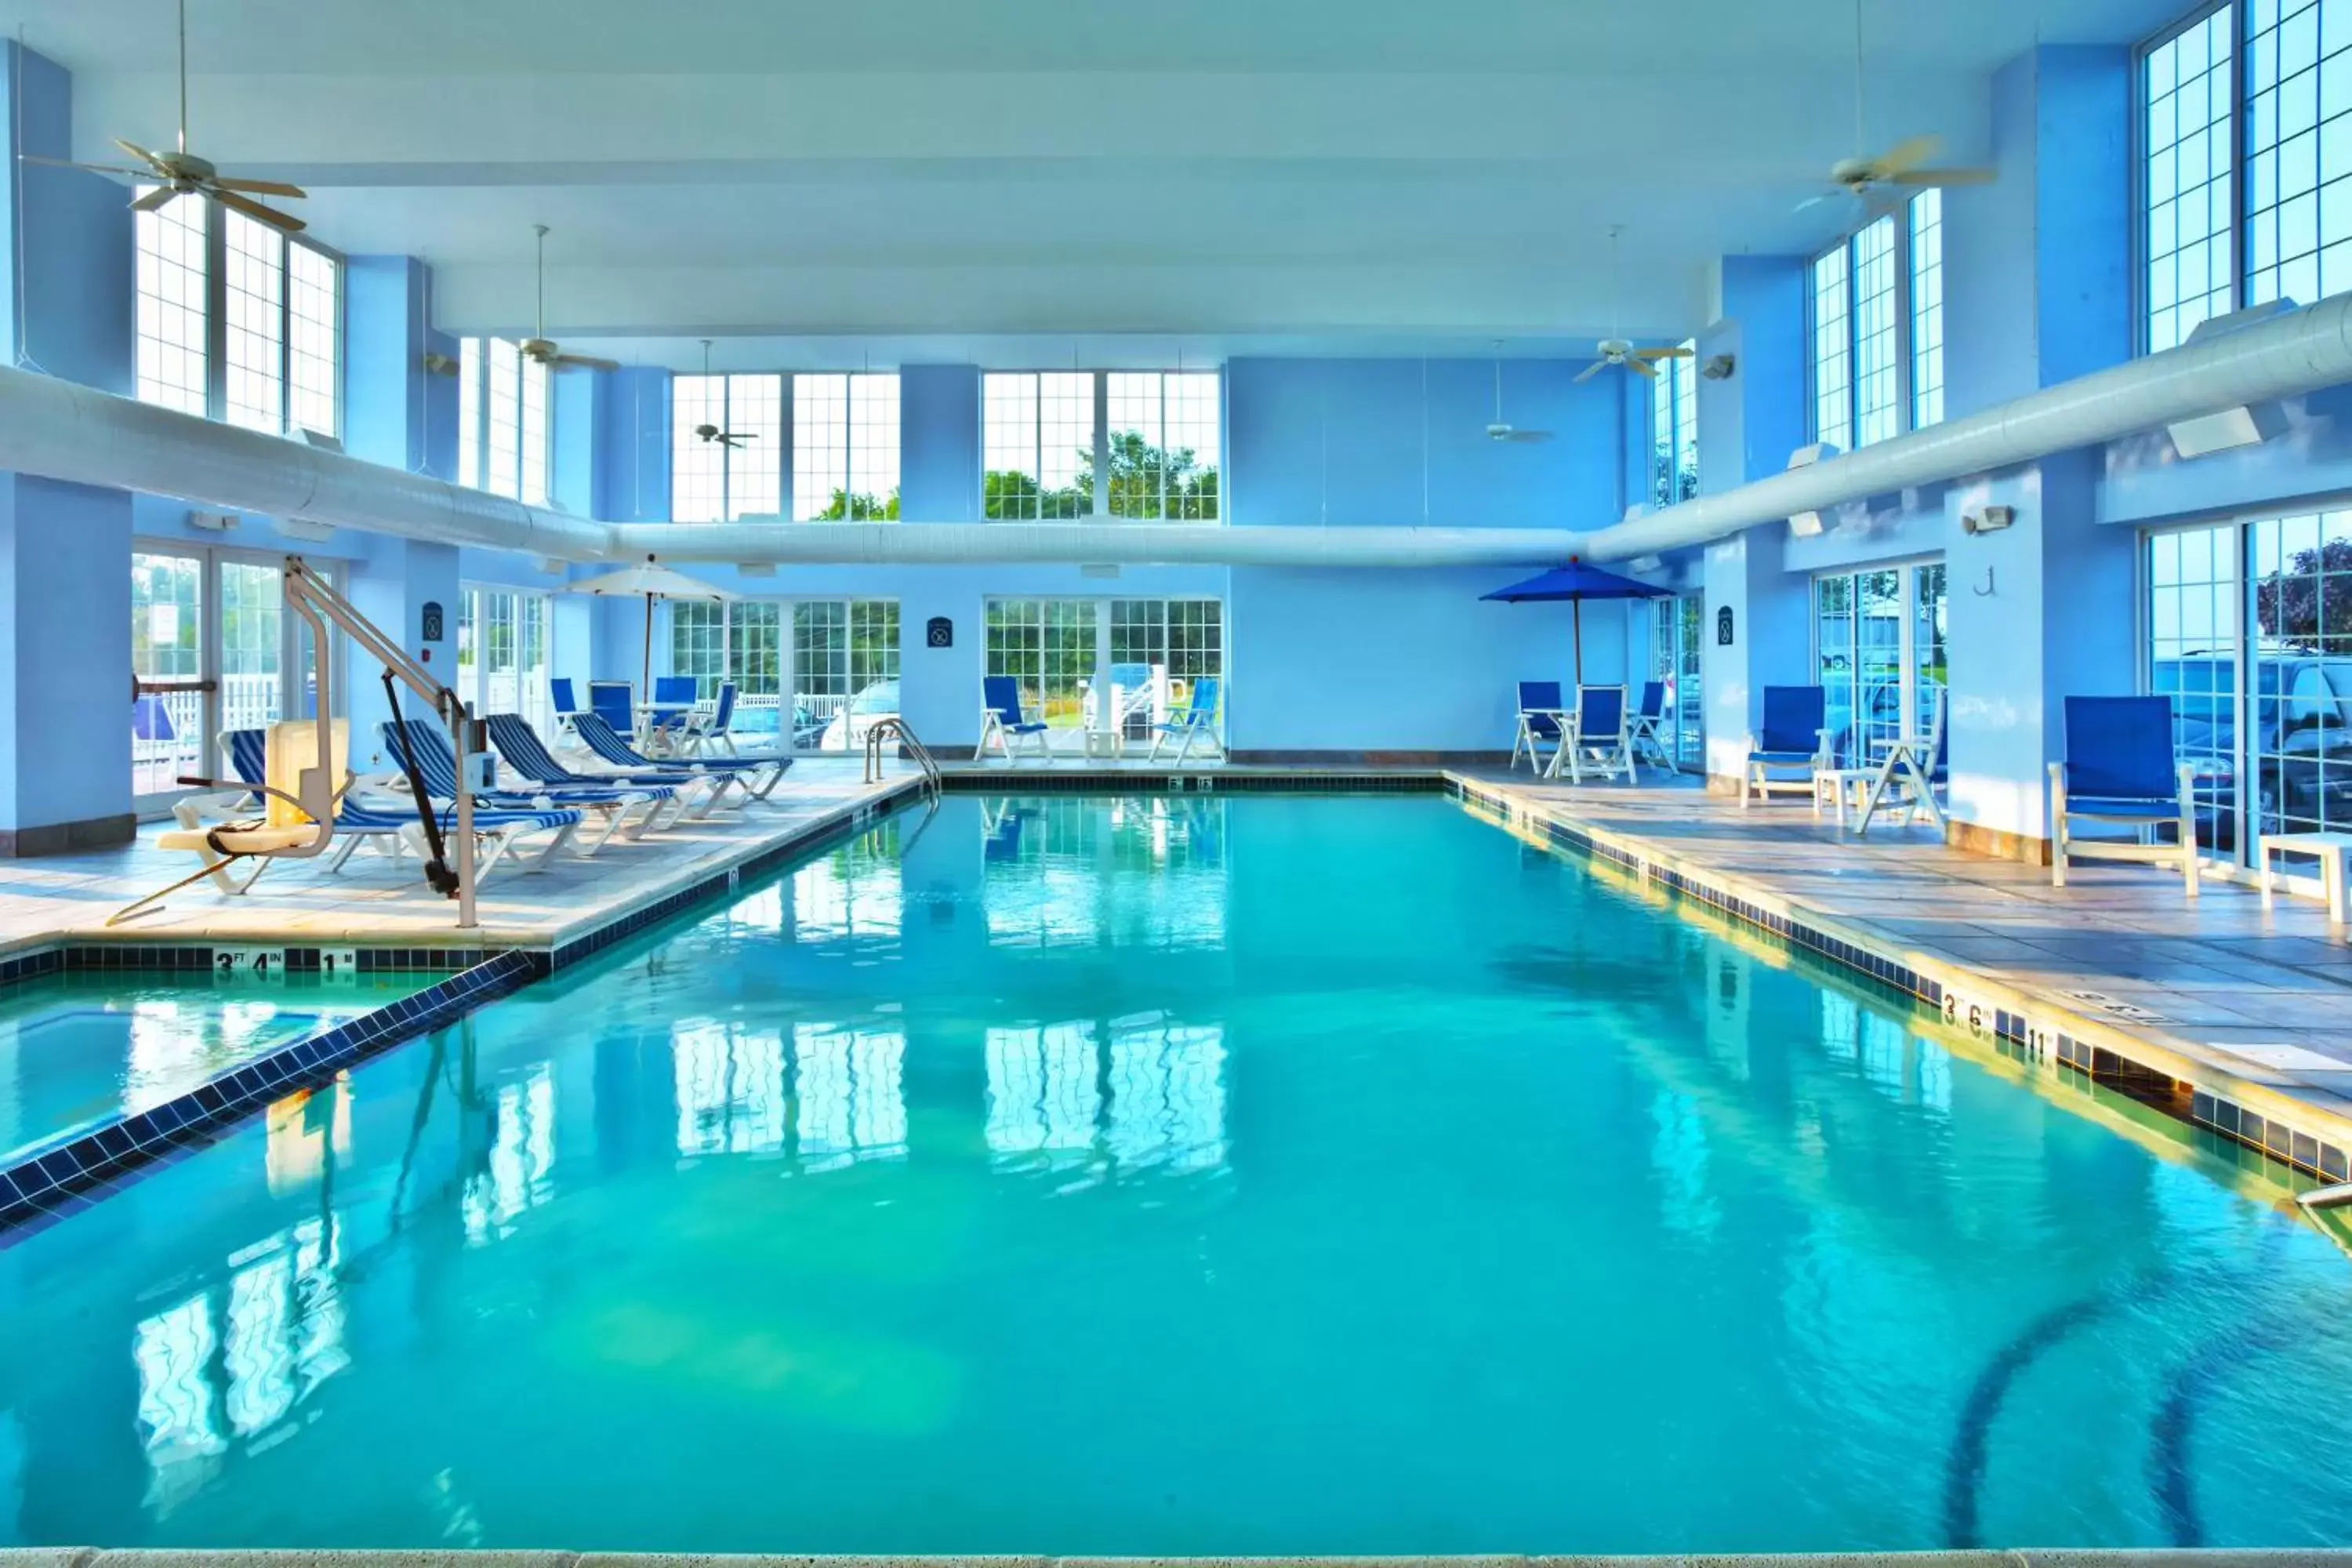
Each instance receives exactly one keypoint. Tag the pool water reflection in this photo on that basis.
(1177, 1175)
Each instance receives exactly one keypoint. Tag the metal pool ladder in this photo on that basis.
(885, 728)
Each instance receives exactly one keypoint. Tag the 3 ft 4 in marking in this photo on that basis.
(264, 962)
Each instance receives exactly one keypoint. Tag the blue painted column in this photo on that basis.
(1747, 425)
(65, 550)
(2036, 291)
(939, 481)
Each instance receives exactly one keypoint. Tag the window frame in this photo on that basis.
(786, 655)
(2137, 139)
(1903, 310)
(475, 448)
(787, 442)
(216, 318)
(1106, 625)
(1100, 502)
(1676, 386)
(1912, 714)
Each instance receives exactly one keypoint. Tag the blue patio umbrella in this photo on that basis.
(1576, 582)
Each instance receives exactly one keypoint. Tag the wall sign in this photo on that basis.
(1723, 627)
(433, 632)
(938, 632)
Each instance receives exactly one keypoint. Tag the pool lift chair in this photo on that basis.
(299, 822)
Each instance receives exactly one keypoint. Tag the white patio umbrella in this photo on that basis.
(655, 581)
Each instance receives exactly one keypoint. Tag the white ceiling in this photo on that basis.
(1333, 174)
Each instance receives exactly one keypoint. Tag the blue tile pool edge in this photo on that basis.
(74, 1174)
(68, 1175)
(1977, 1557)
(2191, 1092)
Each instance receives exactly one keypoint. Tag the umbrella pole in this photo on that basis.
(646, 665)
(1576, 607)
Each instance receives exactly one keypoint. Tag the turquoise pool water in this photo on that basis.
(87, 1047)
(1175, 1175)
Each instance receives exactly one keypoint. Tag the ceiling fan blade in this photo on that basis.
(1641, 368)
(156, 198)
(1677, 351)
(1815, 201)
(261, 187)
(1906, 155)
(113, 169)
(1595, 368)
(136, 151)
(255, 211)
(1528, 436)
(585, 362)
(1945, 177)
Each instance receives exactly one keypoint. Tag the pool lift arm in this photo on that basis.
(314, 599)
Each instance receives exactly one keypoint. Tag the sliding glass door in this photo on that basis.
(1878, 648)
(505, 653)
(212, 650)
(1096, 662)
(837, 658)
(1676, 657)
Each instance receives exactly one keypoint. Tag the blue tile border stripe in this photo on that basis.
(2311, 1151)
(63, 1180)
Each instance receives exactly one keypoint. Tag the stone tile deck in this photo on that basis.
(2218, 988)
(381, 902)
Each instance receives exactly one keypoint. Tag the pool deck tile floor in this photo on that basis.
(2263, 996)
(378, 901)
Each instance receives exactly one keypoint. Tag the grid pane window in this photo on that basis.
(1175, 642)
(173, 365)
(314, 334)
(1163, 444)
(844, 671)
(2187, 181)
(1048, 645)
(1833, 351)
(1160, 439)
(1673, 428)
(167, 736)
(1877, 404)
(755, 469)
(1927, 212)
(697, 643)
(2298, 138)
(754, 649)
(2303, 673)
(1879, 652)
(1674, 660)
(254, 345)
(503, 439)
(845, 447)
(2193, 627)
(697, 469)
(1928, 655)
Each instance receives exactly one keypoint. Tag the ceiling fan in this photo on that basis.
(538, 347)
(1502, 429)
(180, 172)
(1901, 167)
(1614, 349)
(712, 432)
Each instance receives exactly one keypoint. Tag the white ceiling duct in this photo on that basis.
(1105, 543)
(2284, 356)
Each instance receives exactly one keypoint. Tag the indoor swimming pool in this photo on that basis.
(83, 1048)
(1184, 1174)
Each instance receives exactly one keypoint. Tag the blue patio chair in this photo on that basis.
(2119, 769)
(1196, 720)
(755, 775)
(615, 703)
(520, 747)
(1599, 737)
(718, 729)
(1539, 709)
(427, 749)
(1000, 720)
(673, 707)
(565, 698)
(1646, 727)
(1793, 739)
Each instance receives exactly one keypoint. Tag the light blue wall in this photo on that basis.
(65, 660)
(76, 275)
(632, 455)
(938, 440)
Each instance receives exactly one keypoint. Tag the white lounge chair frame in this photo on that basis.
(2142, 847)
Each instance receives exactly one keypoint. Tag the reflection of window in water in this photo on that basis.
(1678, 1154)
(1167, 1095)
(851, 1104)
(1905, 1069)
(1044, 1096)
(1062, 872)
(278, 1331)
(519, 1173)
(855, 891)
(731, 1098)
(300, 1129)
